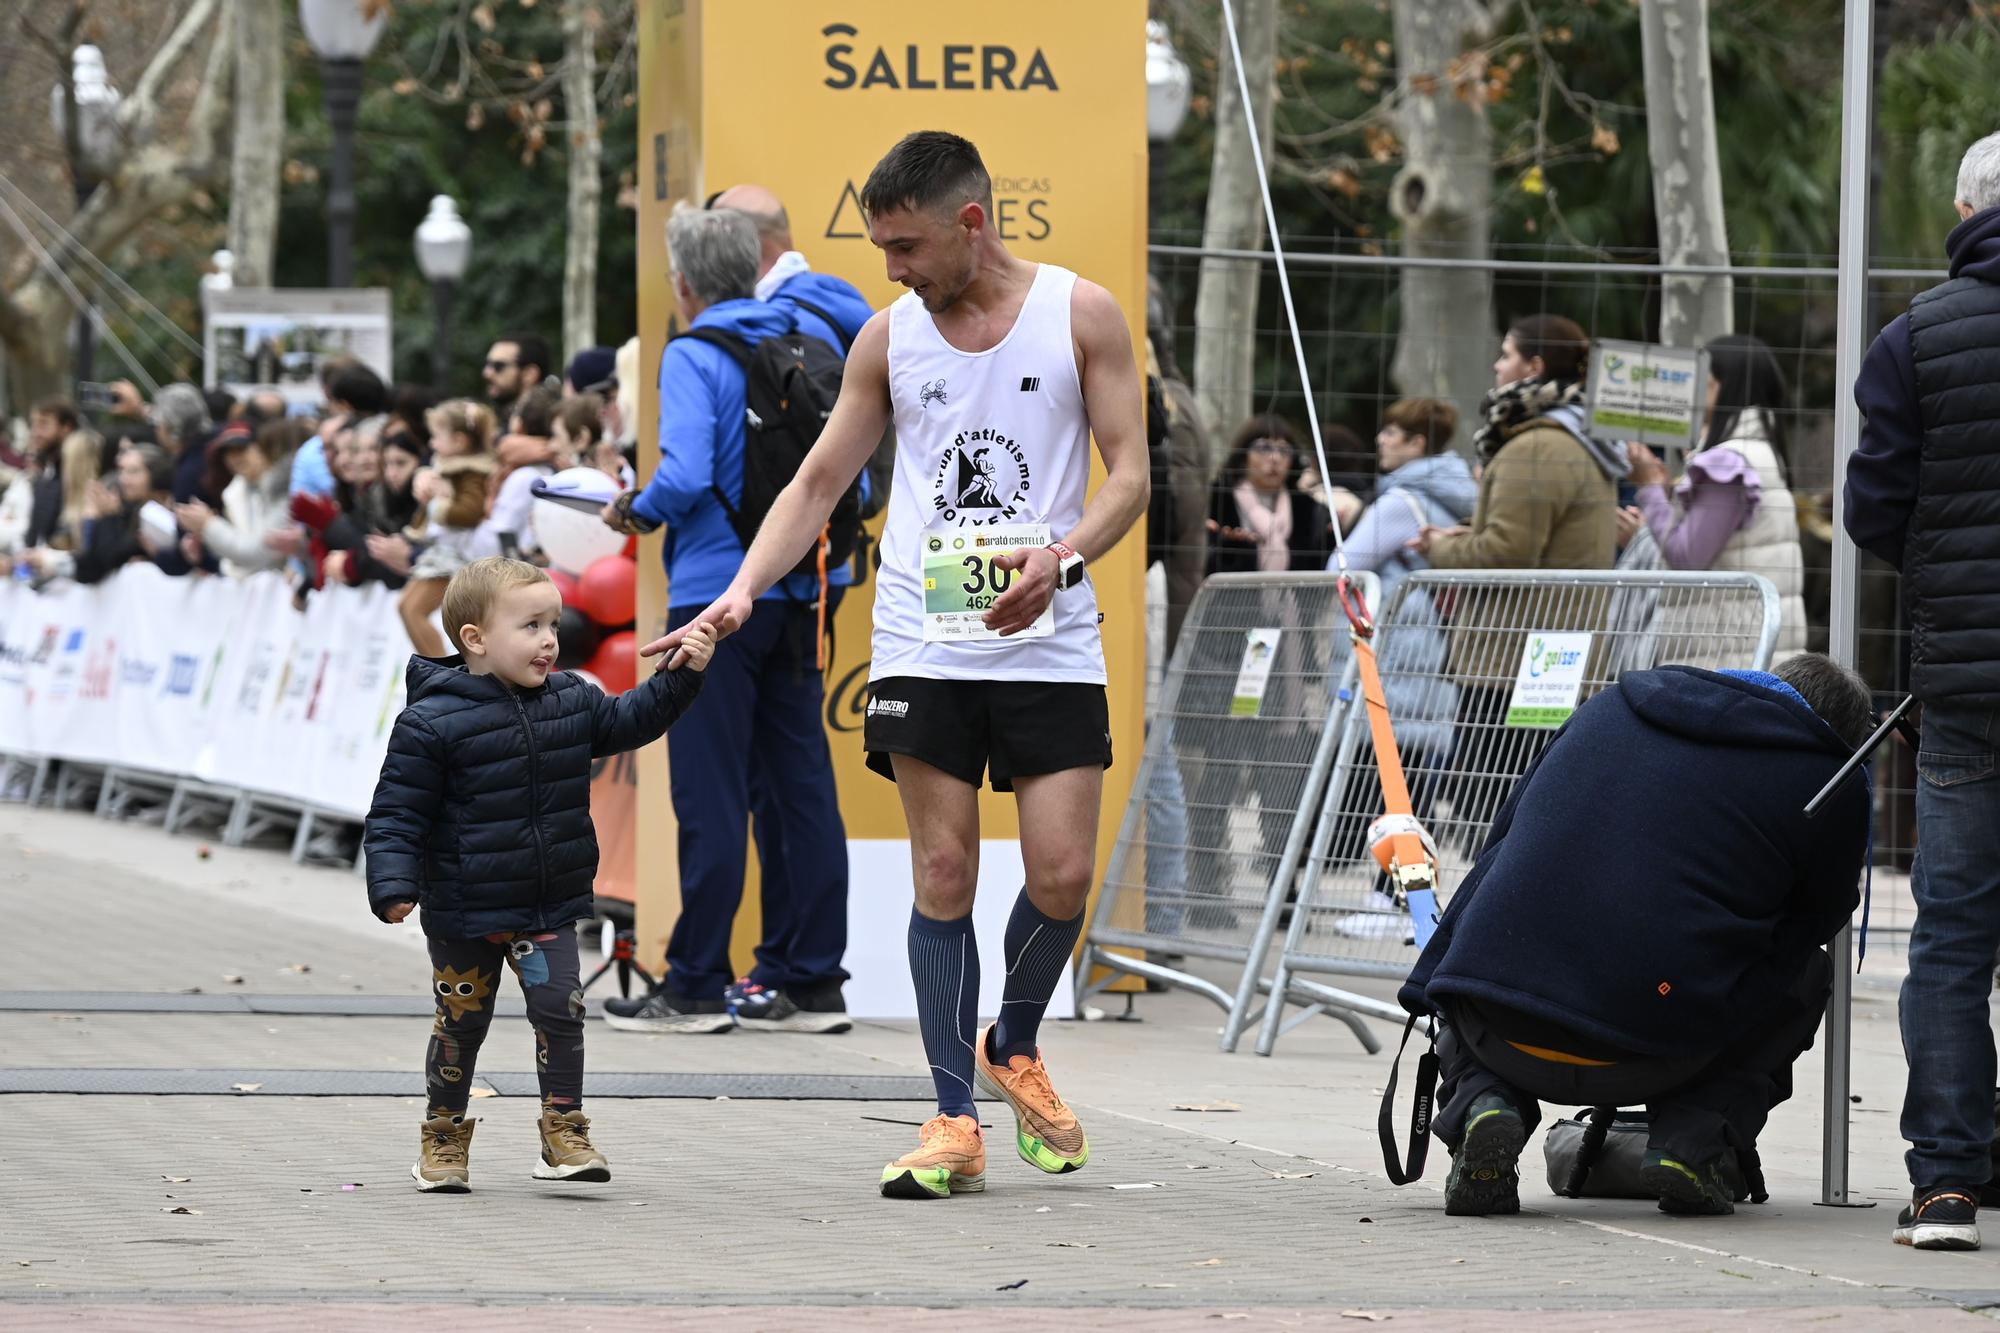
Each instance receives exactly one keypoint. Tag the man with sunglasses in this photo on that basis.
(515, 364)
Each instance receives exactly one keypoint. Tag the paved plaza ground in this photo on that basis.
(254, 1209)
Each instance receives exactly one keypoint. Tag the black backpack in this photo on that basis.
(790, 383)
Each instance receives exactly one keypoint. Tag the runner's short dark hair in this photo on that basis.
(930, 169)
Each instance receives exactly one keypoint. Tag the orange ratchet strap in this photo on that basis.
(1404, 853)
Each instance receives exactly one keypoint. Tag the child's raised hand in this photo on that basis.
(395, 912)
(698, 647)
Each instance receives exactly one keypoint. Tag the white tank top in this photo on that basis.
(983, 440)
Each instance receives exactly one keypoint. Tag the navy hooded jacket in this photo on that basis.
(482, 814)
(1653, 883)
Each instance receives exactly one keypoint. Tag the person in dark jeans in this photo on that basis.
(1923, 492)
(1645, 925)
(758, 740)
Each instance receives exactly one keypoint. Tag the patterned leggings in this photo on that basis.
(465, 979)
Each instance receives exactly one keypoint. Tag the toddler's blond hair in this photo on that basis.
(469, 597)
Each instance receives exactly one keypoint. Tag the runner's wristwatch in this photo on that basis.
(1069, 566)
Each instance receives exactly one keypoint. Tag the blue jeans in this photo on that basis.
(757, 731)
(1947, 1027)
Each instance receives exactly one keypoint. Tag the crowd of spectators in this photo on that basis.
(373, 483)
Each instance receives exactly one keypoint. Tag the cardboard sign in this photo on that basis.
(1647, 392)
(1253, 676)
(1550, 678)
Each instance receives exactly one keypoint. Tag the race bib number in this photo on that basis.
(961, 582)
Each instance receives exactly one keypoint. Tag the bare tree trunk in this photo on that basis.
(158, 170)
(586, 151)
(1443, 198)
(1687, 177)
(1225, 306)
(256, 157)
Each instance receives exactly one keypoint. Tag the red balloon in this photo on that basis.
(616, 662)
(565, 584)
(631, 551)
(608, 591)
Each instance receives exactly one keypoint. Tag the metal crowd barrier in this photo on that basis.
(1450, 647)
(1237, 752)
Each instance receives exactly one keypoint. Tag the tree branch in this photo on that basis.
(136, 112)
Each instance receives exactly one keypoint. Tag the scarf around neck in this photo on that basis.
(1270, 524)
(1516, 404)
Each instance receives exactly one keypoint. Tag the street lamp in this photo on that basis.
(84, 112)
(444, 248)
(342, 36)
(1167, 93)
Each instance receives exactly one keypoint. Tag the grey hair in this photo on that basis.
(182, 410)
(371, 428)
(1979, 174)
(716, 250)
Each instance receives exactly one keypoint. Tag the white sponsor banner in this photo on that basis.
(207, 678)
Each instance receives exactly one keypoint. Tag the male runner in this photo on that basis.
(986, 650)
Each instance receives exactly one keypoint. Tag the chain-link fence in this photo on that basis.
(1351, 324)
(1479, 670)
(1237, 752)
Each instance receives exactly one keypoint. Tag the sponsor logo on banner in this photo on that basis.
(1021, 211)
(959, 67)
(137, 672)
(182, 672)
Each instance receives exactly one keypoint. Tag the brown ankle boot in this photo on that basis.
(445, 1163)
(567, 1153)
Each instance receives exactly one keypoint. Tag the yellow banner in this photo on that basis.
(803, 97)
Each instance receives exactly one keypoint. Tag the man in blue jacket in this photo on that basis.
(833, 310)
(759, 728)
(1923, 492)
(1645, 923)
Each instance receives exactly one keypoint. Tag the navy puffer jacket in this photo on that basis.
(482, 815)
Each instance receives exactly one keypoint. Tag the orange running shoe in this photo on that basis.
(951, 1159)
(1045, 1129)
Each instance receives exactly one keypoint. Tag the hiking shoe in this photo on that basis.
(1944, 1217)
(1688, 1189)
(567, 1153)
(950, 1159)
(444, 1158)
(792, 1009)
(1485, 1175)
(663, 1011)
(1046, 1131)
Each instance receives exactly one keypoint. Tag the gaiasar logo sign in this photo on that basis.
(953, 67)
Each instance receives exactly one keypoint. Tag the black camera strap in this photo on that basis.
(1402, 1172)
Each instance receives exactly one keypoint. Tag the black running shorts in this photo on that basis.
(1017, 728)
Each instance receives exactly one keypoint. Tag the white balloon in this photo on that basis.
(574, 539)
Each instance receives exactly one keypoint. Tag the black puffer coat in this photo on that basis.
(482, 815)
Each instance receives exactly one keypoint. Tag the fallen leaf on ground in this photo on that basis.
(233, 979)
(1206, 1106)
(1142, 1185)
(484, 1092)
(1160, 1286)
(1566, 1282)
(298, 967)
(1013, 1286)
(1207, 1263)
(355, 1186)
(1070, 1245)
(1044, 1209)
(183, 1209)
(177, 1180)
(1276, 1174)
(1370, 1315)
(245, 1087)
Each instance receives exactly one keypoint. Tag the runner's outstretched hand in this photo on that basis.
(725, 615)
(1022, 605)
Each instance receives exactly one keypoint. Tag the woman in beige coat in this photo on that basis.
(1548, 499)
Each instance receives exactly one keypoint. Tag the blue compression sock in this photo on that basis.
(1036, 948)
(944, 966)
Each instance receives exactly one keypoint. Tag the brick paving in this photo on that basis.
(763, 1213)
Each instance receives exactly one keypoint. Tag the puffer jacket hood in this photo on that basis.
(1444, 479)
(835, 296)
(482, 814)
(1609, 455)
